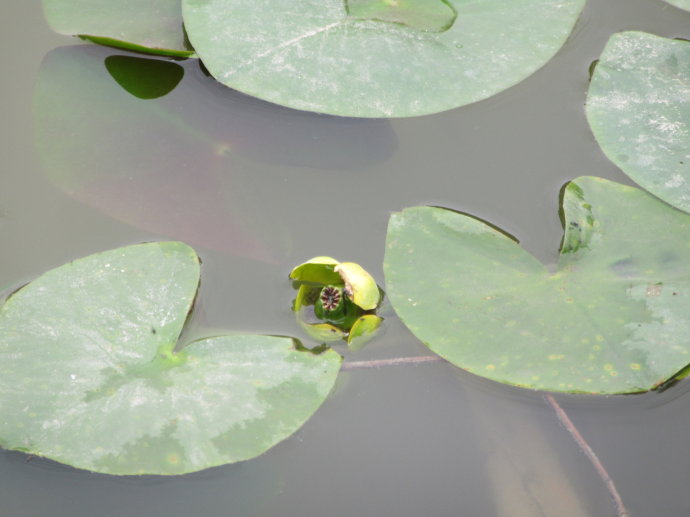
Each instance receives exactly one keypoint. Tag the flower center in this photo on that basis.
(330, 298)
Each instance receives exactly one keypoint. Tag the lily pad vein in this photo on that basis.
(283, 45)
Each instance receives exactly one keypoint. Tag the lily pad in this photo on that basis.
(93, 376)
(612, 318)
(638, 107)
(376, 58)
(423, 15)
(153, 26)
(682, 4)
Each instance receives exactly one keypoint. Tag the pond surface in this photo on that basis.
(257, 189)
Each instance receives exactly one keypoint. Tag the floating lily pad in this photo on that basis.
(613, 318)
(423, 15)
(93, 377)
(638, 107)
(153, 26)
(682, 4)
(376, 58)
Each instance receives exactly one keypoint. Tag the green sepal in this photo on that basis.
(319, 270)
(363, 330)
(360, 286)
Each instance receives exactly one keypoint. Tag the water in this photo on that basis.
(271, 187)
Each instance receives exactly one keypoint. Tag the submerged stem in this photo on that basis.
(563, 417)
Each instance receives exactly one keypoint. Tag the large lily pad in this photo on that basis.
(153, 26)
(638, 107)
(614, 317)
(92, 375)
(376, 58)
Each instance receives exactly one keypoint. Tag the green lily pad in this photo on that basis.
(682, 4)
(153, 26)
(376, 58)
(612, 318)
(93, 377)
(638, 107)
(424, 15)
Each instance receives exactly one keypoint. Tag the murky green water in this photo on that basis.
(258, 189)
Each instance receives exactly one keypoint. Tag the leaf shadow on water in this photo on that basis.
(176, 163)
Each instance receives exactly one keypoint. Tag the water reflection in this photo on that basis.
(177, 164)
(237, 489)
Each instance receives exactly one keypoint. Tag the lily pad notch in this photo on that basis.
(149, 26)
(613, 318)
(355, 58)
(93, 376)
(422, 15)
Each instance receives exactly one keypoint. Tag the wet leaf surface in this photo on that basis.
(93, 375)
(153, 26)
(683, 4)
(613, 318)
(383, 58)
(638, 107)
